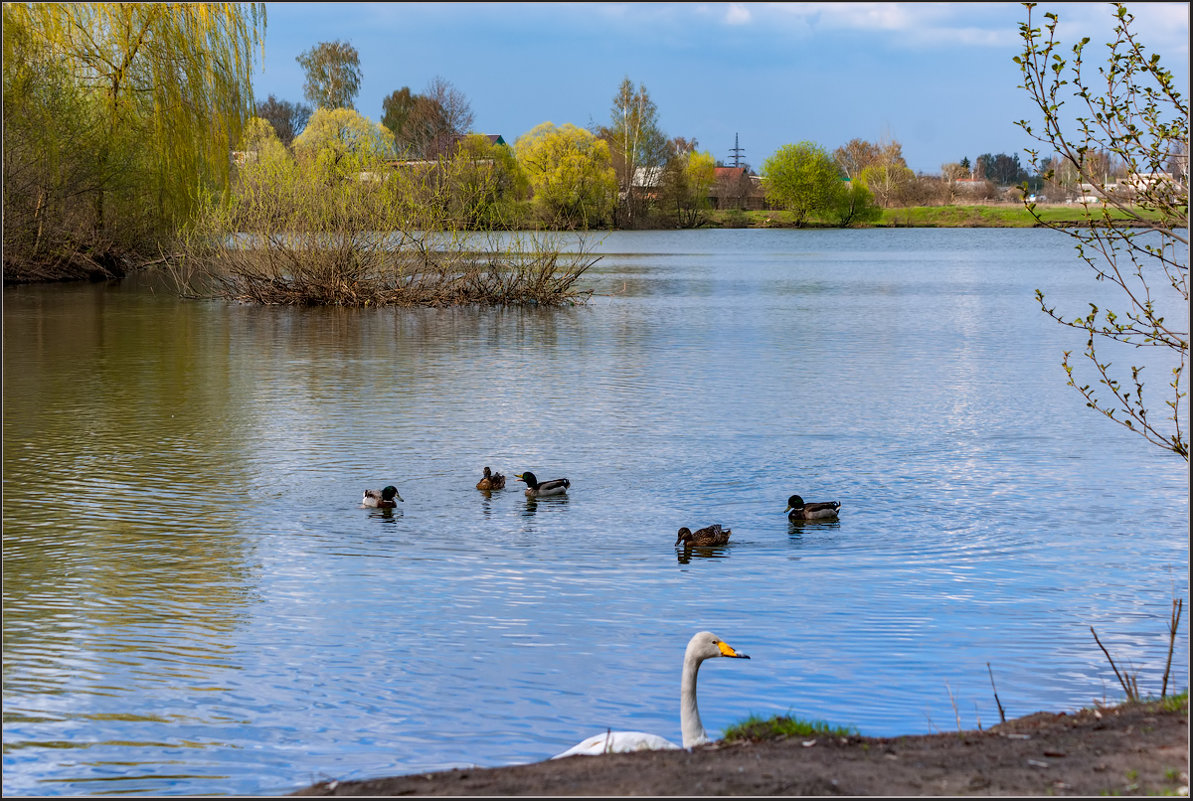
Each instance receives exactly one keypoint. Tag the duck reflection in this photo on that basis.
(797, 528)
(812, 525)
(386, 515)
(487, 503)
(533, 503)
(684, 555)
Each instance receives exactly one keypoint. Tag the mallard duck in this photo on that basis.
(704, 537)
(798, 510)
(704, 645)
(381, 499)
(491, 481)
(534, 489)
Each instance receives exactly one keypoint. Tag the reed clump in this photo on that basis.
(336, 227)
(301, 270)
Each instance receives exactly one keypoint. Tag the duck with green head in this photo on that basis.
(381, 499)
(542, 489)
(798, 510)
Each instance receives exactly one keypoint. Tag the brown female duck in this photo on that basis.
(704, 537)
(491, 481)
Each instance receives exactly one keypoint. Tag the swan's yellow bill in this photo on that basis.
(727, 650)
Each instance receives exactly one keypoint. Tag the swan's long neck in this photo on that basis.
(689, 714)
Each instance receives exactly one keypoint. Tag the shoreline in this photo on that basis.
(991, 215)
(1137, 748)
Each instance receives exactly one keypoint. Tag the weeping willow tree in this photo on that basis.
(157, 95)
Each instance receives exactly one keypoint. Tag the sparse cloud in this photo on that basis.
(738, 14)
(909, 24)
(1164, 26)
(1161, 27)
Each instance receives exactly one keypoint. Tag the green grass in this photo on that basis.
(1003, 216)
(756, 729)
(1007, 215)
(1178, 702)
(1175, 703)
(995, 215)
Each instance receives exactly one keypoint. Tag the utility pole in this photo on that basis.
(736, 152)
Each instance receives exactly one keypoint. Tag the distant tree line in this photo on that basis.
(106, 159)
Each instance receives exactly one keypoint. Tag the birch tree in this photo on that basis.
(332, 74)
(637, 146)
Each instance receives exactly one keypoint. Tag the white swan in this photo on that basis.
(704, 645)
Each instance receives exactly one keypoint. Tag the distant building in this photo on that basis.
(647, 178)
(1149, 182)
(972, 184)
(735, 188)
(432, 163)
(494, 139)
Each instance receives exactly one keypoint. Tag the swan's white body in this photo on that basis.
(617, 742)
(704, 645)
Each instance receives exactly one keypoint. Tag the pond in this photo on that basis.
(196, 603)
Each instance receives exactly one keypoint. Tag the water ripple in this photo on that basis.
(195, 602)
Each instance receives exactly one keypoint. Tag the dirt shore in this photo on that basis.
(1133, 749)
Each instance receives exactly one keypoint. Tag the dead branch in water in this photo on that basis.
(1130, 684)
(1177, 605)
(1002, 715)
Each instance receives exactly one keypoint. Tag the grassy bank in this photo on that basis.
(1009, 215)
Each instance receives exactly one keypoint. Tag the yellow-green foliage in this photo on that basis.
(700, 170)
(178, 74)
(54, 131)
(570, 172)
(336, 224)
(804, 179)
(160, 92)
(684, 187)
(342, 136)
(484, 185)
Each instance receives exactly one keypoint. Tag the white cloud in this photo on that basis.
(1161, 27)
(912, 24)
(738, 14)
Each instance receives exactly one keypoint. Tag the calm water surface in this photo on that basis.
(194, 603)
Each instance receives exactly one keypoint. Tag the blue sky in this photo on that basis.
(936, 77)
